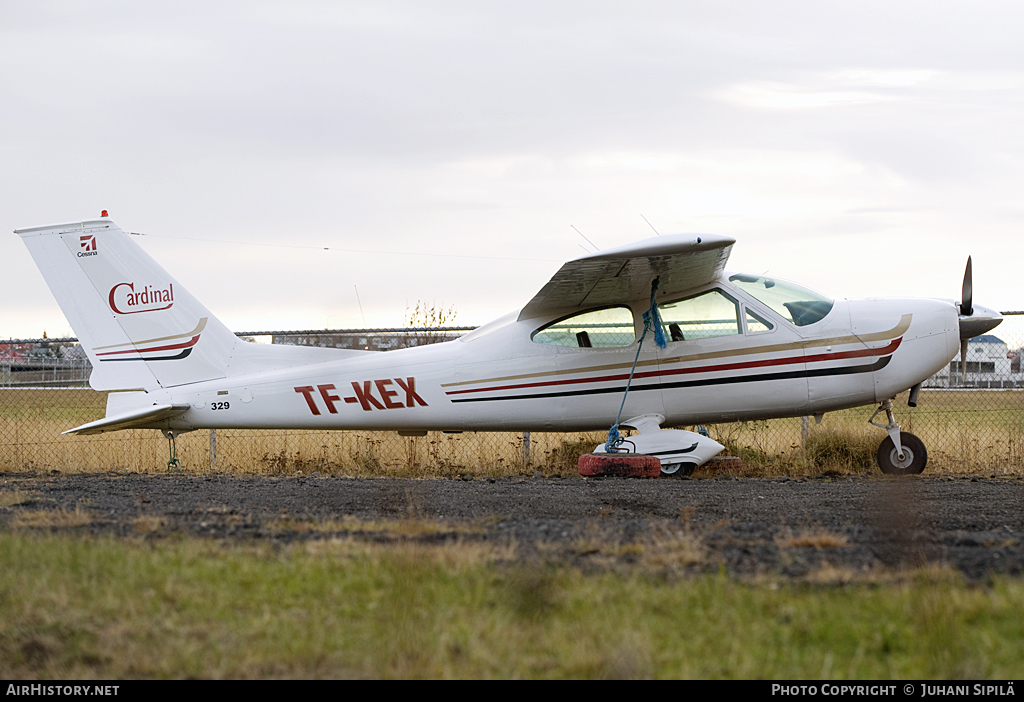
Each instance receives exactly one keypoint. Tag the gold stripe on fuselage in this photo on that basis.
(887, 335)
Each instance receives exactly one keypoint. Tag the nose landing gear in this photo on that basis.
(901, 453)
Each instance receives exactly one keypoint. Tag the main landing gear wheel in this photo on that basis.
(619, 465)
(672, 470)
(914, 456)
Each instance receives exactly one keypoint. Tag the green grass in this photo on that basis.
(85, 608)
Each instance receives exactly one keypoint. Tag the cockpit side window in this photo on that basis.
(703, 316)
(792, 302)
(611, 327)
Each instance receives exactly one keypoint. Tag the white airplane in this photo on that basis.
(737, 347)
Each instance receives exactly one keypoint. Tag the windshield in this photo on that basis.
(792, 302)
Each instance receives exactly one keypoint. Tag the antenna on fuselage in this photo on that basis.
(585, 238)
(360, 303)
(649, 224)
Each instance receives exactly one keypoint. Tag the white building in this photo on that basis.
(990, 364)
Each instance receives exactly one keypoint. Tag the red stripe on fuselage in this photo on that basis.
(859, 353)
(172, 347)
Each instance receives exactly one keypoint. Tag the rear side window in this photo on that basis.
(606, 328)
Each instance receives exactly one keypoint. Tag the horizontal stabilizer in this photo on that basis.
(146, 418)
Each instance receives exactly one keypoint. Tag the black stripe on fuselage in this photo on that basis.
(672, 453)
(183, 354)
(732, 380)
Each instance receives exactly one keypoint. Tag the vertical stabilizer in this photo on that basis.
(139, 326)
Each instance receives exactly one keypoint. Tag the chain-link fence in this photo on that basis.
(970, 419)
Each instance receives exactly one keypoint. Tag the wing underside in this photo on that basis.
(680, 262)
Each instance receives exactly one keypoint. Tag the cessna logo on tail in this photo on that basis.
(125, 300)
(88, 244)
(386, 398)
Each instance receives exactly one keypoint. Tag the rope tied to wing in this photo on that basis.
(651, 319)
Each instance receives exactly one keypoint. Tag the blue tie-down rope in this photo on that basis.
(651, 318)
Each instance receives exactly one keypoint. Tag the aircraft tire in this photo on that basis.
(915, 456)
(619, 465)
(677, 470)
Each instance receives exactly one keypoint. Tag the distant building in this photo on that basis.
(366, 340)
(63, 363)
(42, 363)
(990, 364)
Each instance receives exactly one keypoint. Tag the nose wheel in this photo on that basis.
(669, 470)
(901, 453)
(914, 455)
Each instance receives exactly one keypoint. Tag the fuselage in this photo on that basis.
(514, 374)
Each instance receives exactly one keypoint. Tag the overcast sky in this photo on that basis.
(444, 150)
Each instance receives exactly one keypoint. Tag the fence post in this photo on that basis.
(213, 449)
(804, 426)
(526, 448)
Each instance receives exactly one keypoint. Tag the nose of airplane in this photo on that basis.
(980, 320)
(975, 320)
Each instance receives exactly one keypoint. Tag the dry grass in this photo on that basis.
(828, 574)
(449, 554)
(148, 523)
(811, 538)
(965, 432)
(667, 547)
(52, 518)
(10, 498)
(409, 527)
(674, 548)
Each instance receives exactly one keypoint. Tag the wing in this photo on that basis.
(681, 261)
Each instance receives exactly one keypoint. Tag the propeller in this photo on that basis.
(967, 293)
(966, 310)
(963, 359)
(973, 322)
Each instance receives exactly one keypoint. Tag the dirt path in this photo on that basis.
(748, 526)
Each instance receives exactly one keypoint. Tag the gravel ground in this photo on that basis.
(748, 527)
